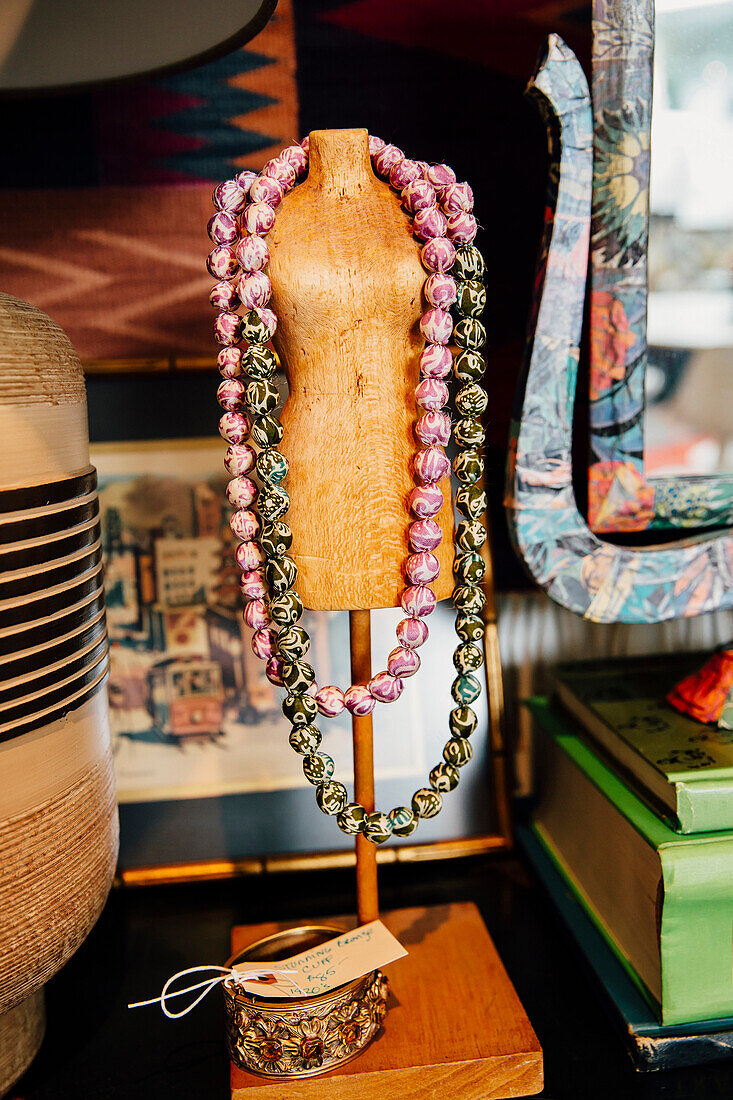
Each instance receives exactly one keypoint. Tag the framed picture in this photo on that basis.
(206, 780)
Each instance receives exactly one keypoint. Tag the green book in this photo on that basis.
(682, 767)
(662, 901)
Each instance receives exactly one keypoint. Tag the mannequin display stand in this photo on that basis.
(346, 286)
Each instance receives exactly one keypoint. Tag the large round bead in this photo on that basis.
(331, 797)
(469, 627)
(467, 433)
(444, 777)
(471, 299)
(457, 751)
(469, 263)
(469, 366)
(422, 568)
(462, 227)
(426, 802)
(259, 361)
(280, 573)
(301, 710)
(404, 172)
(418, 600)
(281, 170)
(404, 821)
(359, 700)
(469, 568)
(276, 539)
(428, 223)
(305, 739)
(229, 361)
(432, 394)
(431, 465)
(330, 700)
(256, 615)
(227, 328)
(457, 196)
(264, 643)
(465, 689)
(224, 229)
(273, 670)
(470, 535)
(469, 333)
(440, 290)
(261, 396)
(297, 676)
(403, 662)
(425, 534)
(462, 722)
(252, 253)
(241, 491)
(293, 643)
(267, 431)
(239, 459)
(249, 556)
(272, 503)
(255, 289)
(436, 325)
(234, 427)
(286, 608)
(318, 767)
(253, 584)
(468, 657)
(418, 195)
(386, 158)
(245, 179)
(385, 687)
(272, 466)
(351, 819)
(223, 296)
(412, 633)
(471, 400)
(295, 155)
(438, 254)
(258, 218)
(266, 189)
(377, 827)
(433, 429)
(244, 525)
(229, 196)
(436, 361)
(468, 597)
(254, 329)
(426, 501)
(222, 262)
(471, 501)
(440, 175)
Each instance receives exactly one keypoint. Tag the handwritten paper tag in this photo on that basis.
(327, 966)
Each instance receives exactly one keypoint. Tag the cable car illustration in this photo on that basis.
(187, 697)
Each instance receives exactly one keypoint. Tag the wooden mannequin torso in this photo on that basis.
(346, 286)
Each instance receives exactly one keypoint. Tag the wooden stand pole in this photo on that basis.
(367, 896)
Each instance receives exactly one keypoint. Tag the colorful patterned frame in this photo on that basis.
(620, 498)
(600, 581)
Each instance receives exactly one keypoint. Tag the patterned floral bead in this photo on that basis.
(318, 767)
(266, 189)
(438, 254)
(471, 400)
(253, 584)
(431, 465)
(255, 289)
(418, 600)
(252, 253)
(433, 429)
(245, 179)
(351, 819)
(385, 688)
(259, 361)
(457, 751)
(440, 290)
(281, 170)
(273, 671)
(468, 597)
(301, 710)
(386, 158)
(412, 633)
(296, 157)
(224, 296)
(359, 700)
(297, 676)
(234, 427)
(222, 262)
(272, 466)
(426, 501)
(465, 689)
(254, 328)
(331, 797)
(469, 333)
(425, 534)
(436, 325)
(286, 609)
(444, 777)
(418, 195)
(469, 263)
(402, 663)
(377, 827)
(249, 556)
(428, 223)
(224, 229)
(404, 172)
(272, 503)
(462, 227)
(229, 361)
(241, 491)
(469, 627)
(469, 568)
(471, 300)
(456, 197)
(305, 739)
(263, 643)
(467, 433)
(404, 821)
(469, 366)
(259, 217)
(470, 535)
(436, 361)
(276, 539)
(330, 701)
(244, 525)
(432, 394)
(440, 175)
(261, 396)
(467, 658)
(226, 328)
(230, 394)
(229, 196)
(462, 722)
(471, 501)
(422, 568)
(293, 643)
(267, 431)
(426, 803)
(256, 615)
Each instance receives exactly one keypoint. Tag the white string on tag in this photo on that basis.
(224, 973)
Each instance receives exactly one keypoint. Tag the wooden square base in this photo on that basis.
(455, 1026)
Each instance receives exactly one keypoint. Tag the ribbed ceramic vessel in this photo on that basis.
(58, 816)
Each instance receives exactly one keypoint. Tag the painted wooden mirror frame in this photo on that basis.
(601, 581)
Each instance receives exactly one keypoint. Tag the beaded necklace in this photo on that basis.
(440, 209)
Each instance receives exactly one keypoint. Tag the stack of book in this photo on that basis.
(633, 837)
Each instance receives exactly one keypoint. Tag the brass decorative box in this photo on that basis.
(304, 1036)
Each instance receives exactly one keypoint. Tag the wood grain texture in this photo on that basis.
(367, 893)
(347, 288)
(463, 1034)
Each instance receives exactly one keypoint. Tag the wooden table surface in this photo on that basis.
(96, 1049)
